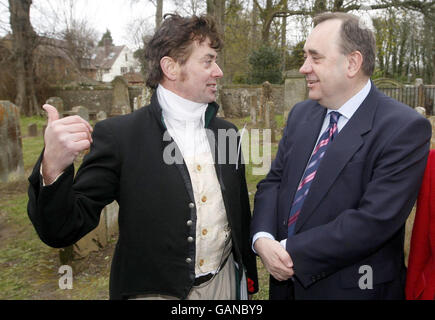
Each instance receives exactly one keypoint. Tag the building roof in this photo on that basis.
(104, 57)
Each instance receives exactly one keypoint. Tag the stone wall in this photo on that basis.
(231, 96)
(95, 98)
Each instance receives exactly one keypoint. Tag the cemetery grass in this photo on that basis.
(29, 268)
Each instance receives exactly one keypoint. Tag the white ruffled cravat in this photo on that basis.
(184, 120)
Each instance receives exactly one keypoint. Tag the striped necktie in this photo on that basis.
(311, 169)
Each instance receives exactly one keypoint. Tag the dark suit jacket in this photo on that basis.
(157, 212)
(358, 203)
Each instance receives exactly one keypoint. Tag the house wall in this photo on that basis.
(122, 63)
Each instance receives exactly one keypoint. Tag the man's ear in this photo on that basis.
(355, 60)
(169, 67)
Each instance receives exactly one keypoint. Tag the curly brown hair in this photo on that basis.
(174, 39)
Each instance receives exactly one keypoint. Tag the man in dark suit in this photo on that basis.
(184, 217)
(329, 218)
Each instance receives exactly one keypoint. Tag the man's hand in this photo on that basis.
(275, 258)
(64, 139)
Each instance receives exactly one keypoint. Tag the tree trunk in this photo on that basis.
(24, 43)
(159, 13)
(216, 8)
(284, 37)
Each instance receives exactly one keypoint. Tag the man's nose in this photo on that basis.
(217, 72)
(306, 67)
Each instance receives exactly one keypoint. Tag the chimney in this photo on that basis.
(107, 47)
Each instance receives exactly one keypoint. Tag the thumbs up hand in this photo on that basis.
(64, 139)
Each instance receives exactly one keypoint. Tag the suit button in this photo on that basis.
(198, 167)
(204, 199)
(191, 205)
(201, 262)
(188, 260)
(189, 239)
(189, 223)
(204, 232)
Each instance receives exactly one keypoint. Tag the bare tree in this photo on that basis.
(25, 41)
(276, 9)
(190, 7)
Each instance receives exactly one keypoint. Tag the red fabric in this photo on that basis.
(420, 281)
(251, 288)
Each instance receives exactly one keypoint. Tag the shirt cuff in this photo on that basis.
(283, 243)
(261, 234)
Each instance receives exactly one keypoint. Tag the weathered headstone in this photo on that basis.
(81, 111)
(11, 148)
(295, 90)
(146, 96)
(244, 101)
(101, 115)
(120, 98)
(32, 130)
(137, 103)
(269, 118)
(57, 103)
(99, 237)
(253, 109)
(432, 121)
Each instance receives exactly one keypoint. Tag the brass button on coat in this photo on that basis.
(204, 199)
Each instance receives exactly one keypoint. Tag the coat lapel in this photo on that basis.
(345, 145)
(303, 144)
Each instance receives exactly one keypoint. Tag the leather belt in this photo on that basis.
(200, 280)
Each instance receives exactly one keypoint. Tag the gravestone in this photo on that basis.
(146, 96)
(99, 237)
(81, 111)
(101, 115)
(295, 90)
(32, 130)
(253, 109)
(120, 97)
(57, 103)
(269, 118)
(11, 147)
(244, 101)
(432, 122)
(137, 103)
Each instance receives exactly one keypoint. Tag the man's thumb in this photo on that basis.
(52, 112)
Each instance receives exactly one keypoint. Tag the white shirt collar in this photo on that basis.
(177, 108)
(350, 106)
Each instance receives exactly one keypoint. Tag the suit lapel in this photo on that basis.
(306, 133)
(345, 145)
